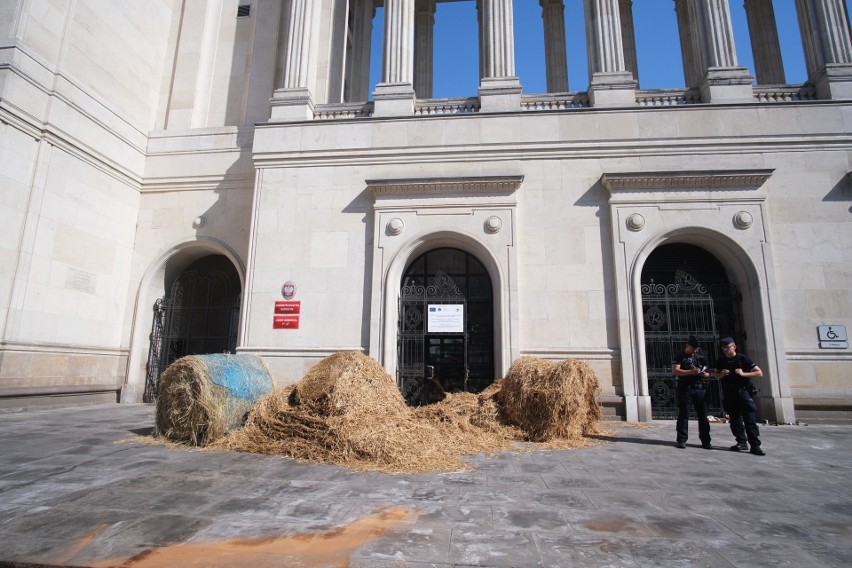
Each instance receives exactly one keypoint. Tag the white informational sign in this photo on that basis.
(446, 318)
(833, 337)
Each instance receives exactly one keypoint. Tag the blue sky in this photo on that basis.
(456, 67)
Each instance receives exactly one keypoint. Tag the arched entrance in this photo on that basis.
(199, 314)
(446, 331)
(685, 291)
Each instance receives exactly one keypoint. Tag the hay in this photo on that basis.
(551, 400)
(201, 397)
(349, 383)
(348, 411)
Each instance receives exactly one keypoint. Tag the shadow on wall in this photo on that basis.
(362, 205)
(597, 196)
(842, 190)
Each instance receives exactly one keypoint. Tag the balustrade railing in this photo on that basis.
(667, 97)
(338, 111)
(564, 101)
(554, 101)
(784, 93)
(427, 107)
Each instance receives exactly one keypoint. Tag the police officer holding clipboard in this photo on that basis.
(690, 368)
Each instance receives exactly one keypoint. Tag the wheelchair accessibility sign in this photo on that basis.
(833, 337)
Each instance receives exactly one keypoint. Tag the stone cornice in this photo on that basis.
(695, 180)
(465, 186)
(199, 183)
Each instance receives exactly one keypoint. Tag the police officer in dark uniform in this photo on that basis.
(735, 371)
(690, 368)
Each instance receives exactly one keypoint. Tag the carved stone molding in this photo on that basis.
(635, 222)
(487, 185)
(493, 224)
(395, 226)
(697, 180)
(743, 220)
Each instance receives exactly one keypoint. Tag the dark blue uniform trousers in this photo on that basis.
(742, 412)
(694, 395)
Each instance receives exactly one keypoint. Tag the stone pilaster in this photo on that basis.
(394, 96)
(293, 101)
(824, 25)
(499, 88)
(610, 83)
(206, 62)
(763, 32)
(424, 28)
(555, 51)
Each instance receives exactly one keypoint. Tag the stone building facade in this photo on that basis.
(194, 176)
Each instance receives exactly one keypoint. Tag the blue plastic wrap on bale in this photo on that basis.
(245, 376)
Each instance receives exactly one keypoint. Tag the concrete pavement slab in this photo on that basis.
(77, 488)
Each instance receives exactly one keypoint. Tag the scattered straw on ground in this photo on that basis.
(348, 411)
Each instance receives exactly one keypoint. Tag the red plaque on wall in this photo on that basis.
(285, 322)
(288, 307)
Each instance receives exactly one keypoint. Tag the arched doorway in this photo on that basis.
(685, 291)
(445, 339)
(199, 314)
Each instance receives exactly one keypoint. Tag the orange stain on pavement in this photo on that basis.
(84, 542)
(328, 548)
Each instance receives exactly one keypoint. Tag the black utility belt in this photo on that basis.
(691, 382)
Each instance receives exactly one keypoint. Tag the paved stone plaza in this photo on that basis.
(75, 492)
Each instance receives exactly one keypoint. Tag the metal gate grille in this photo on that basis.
(462, 361)
(200, 315)
(673, 312)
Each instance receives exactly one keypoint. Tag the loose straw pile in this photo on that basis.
(348, 411)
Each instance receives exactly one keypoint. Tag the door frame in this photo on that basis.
(722, 211)
(412, 216)
(415, 340)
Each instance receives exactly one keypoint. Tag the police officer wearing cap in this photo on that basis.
(690, 368)
(735, 371)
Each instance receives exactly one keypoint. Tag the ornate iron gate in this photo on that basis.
(462, 360)
(673, 312)
(200, 315)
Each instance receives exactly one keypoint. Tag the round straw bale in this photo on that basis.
(550, 399)
(201, 397)
(349, 382)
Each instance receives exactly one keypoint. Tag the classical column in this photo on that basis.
(394, 96)
(339, 40)
(293, 101)
(712, 36)
(610, 83)
(424, 28)
(357, 85)
(555, 51)
(628, 38)
(499, 88)
(763, 32)
(824, 26)
(691, 65)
